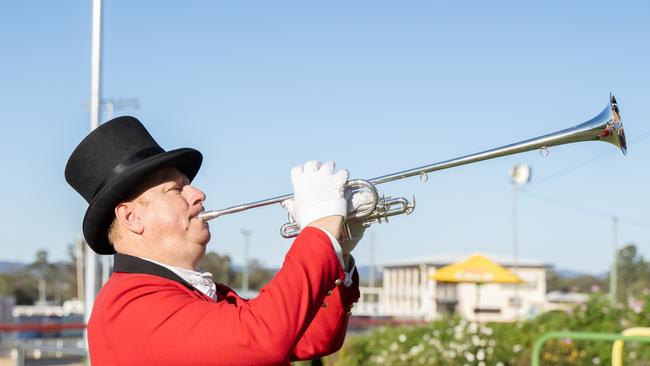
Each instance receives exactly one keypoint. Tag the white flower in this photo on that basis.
(476, 340)
(469, 356)
(402, 338)
(595, 361)
(416, 349)
(516, 348)
(393, 347)
(480, 355)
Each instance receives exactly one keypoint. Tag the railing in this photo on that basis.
(53, 344)
(617, 348)
(588, 336)
(370, 302)
(52, 352)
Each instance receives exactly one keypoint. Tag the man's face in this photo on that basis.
(168, 209)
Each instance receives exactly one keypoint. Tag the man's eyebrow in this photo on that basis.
(177, 177)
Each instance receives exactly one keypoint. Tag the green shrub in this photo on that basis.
(454, 341)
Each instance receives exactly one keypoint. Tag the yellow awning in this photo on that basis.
(476, 269)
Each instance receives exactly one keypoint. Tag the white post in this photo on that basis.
(244, 279)
(79, 261)
(107, 264)
(613, 276)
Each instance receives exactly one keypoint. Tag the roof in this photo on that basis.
(444, 259)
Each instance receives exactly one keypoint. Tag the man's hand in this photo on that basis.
(357, 201)
(318, 196)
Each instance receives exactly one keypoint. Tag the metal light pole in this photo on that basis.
(613, 276)
(111, 105)
(520, 175)
(95, 90)
(244, 279)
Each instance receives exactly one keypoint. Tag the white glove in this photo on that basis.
(358, 200)
(317, 192)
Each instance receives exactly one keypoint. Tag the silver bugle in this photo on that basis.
(606, 126)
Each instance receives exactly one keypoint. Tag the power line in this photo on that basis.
(586, 162)
(586, 210)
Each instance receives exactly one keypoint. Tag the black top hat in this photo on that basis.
(108, 165)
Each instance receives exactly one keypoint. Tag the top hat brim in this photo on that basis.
(101, 211)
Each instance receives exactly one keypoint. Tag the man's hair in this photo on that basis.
(112, 233)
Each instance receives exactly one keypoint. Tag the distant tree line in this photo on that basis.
(223, 271)
(633, 273)
(633, 277)
(57, 280)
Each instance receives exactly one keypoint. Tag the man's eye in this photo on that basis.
(177, 188)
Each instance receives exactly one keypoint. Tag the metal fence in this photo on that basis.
(42, 344)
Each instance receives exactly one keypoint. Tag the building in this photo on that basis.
(409, 292)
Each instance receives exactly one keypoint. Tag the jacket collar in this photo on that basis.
(129, 264)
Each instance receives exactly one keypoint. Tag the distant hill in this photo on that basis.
(570, 274)
(364, 272)
(9, 267)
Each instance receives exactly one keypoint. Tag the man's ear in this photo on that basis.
(128, 217)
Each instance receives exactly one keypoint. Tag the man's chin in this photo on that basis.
(204, 239)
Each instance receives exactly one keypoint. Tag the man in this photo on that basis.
(156, 309)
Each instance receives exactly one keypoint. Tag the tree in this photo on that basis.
(633, 272)
(220, 267)
(582, 283)
(258, 275)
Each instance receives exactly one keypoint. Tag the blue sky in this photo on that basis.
(376, 86)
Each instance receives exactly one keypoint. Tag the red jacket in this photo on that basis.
(147, 315)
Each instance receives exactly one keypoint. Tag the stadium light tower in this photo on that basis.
(520, 175)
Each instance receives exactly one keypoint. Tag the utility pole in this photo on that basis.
(613, 276)
(371, 270)
(244, 279)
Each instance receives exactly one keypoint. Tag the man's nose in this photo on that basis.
(195, 195)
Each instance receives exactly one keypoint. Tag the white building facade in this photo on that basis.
(408, 291)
